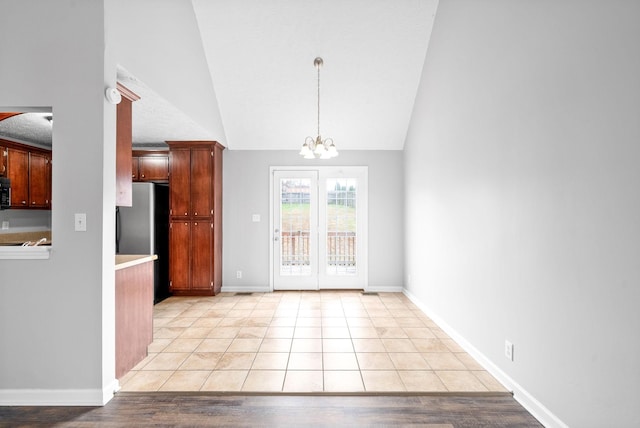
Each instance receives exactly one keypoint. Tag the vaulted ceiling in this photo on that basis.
(260, 56)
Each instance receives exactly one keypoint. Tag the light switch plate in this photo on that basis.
(81, 222)
(255, 218)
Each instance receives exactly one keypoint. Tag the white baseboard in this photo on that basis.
(245, 289)
(384, 289)
(522, 396)
(266, 289)
(58, 397)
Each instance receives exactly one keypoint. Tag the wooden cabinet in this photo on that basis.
(124, 136)
(150, 166)
(180, 182)
(134, 311)
(29, 170)
(195, 234)
(190, 257)
(179, 256)
(39, 180)
(3, 161)
(154, 168)
(135, 173)
(191, 184)
(202, 255)
(18, 173)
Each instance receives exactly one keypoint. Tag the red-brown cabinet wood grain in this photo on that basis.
(29, 169)
(39, 180)
(3, 161)
(180, 256)
(195, 244)
(147, 165)
(153, 168)
(18, 173)
(124, 137)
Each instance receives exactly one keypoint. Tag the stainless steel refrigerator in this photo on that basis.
(143, 228)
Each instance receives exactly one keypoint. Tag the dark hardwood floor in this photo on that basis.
(280, 410)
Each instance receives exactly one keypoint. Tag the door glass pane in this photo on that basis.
(341, 226)
(295, 200)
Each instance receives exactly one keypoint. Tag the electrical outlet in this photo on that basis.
(255, 218)
(239, 274)
(5, 225)
(508, 350)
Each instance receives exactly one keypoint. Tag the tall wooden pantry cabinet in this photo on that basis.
(195, 223)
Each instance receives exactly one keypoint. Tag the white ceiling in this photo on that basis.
(33, 127)
(155, 120)
(260, 54)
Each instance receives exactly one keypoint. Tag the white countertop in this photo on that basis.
(24, 253)
(127, 260)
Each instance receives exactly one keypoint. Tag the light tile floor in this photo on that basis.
(327, 341)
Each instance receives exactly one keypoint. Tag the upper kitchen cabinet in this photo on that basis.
(3, 161)
(150, 166)
(18, 173)
(29, 170)
(124, 137)
(192, 183)
(39, 180)
(180, 182)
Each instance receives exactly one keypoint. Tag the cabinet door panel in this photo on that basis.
(201, 177)
(124, 130)
(3, 161)
(154, 168)
(38, 180)
(180, 183)
(179, 255)
(134, 169)
(201, 255)
(18, 166)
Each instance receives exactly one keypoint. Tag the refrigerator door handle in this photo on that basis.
(118, 230)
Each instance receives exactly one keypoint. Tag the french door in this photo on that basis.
(319, 226)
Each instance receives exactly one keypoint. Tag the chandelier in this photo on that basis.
(317, 147)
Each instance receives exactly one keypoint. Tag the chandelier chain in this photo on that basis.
(317, 147)
(318, 67)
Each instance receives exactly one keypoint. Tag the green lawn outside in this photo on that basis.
(339, 217)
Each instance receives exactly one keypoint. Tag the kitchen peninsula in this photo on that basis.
(134, 309)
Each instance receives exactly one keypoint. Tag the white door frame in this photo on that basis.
(363, 229)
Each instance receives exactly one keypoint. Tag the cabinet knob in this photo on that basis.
(185, 213)
(142, 175)
(195, 213)
(24, 202)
